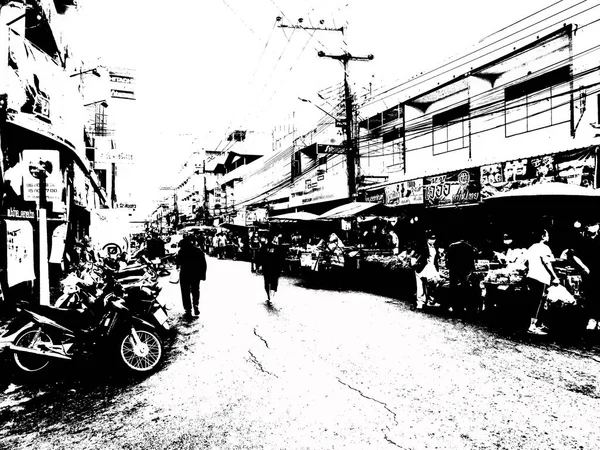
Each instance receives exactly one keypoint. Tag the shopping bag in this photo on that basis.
(174, 276)
(558, 293)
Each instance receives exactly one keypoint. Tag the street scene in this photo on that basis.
(290, 224)
(321, 368)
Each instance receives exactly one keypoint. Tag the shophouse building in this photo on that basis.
(519, 108)
(42, 119)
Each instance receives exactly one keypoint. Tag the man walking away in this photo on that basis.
(271, 260)
(192, 268)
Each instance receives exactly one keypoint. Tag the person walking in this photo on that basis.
(425, 264)
(191, 263)
(540, 276)
(271, 261)
(254, 248)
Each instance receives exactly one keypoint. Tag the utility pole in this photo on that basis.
(351, 150)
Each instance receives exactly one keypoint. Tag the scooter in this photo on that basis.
(69, 334)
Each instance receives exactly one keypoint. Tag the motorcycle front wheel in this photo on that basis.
(143, 355)
(32, 339)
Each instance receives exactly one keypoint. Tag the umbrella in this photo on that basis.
(556, 190)
(295, 216)
(348, 210)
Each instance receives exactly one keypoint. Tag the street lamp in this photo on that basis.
(317, 106)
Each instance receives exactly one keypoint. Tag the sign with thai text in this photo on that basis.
(576, 167)
(454, 188)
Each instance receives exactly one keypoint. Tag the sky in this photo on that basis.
(207, 67)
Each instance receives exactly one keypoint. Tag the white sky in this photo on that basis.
(206, 66)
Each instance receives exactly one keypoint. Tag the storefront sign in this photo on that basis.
(455, 188)
(404, 193)
(375, 196)
(113, 156)
(20, 214)
(19, 252)
(571, 167)
(42, 163)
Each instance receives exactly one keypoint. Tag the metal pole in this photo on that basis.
(350, 161)
(44, 275)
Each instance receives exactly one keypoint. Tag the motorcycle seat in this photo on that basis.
(73, 319)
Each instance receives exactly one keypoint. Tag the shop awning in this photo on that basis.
(562, 190)
(294, 216)
(348, 210)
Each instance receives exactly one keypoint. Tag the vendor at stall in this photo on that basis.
(425, 263)
(371, 238)
(585, 254)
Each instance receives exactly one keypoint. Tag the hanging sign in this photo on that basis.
(19, 252)
(460, 187)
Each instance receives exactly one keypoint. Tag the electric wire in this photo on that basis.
(391, 92)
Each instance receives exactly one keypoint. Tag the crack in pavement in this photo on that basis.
(257, 362)
(261, 338)
(387, 408)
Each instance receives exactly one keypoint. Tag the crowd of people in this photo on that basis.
(429, 262)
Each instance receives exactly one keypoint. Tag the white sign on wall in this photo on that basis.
(38, 164)
(19, 252)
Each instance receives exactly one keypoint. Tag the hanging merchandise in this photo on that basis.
(59, 237)
(19, 252)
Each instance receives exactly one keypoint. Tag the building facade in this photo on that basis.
(48, 183)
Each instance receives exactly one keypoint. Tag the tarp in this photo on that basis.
(348, 210)
(547, 190)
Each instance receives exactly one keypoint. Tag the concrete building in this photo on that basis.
(42, 119)
(520, 106)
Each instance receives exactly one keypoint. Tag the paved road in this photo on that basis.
(321, 370)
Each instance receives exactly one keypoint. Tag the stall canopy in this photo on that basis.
(562, 190)
(294, 216)
(348, 210)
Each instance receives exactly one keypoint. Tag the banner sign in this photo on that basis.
(19, 252)
(572, 167)
(315, 187)
(42, 163)
(460, 187)
(404, 193)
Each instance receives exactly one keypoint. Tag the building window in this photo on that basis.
(537, 103)
(450, 130)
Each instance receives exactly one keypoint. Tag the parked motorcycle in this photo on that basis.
(140, 295)
(71, 334)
